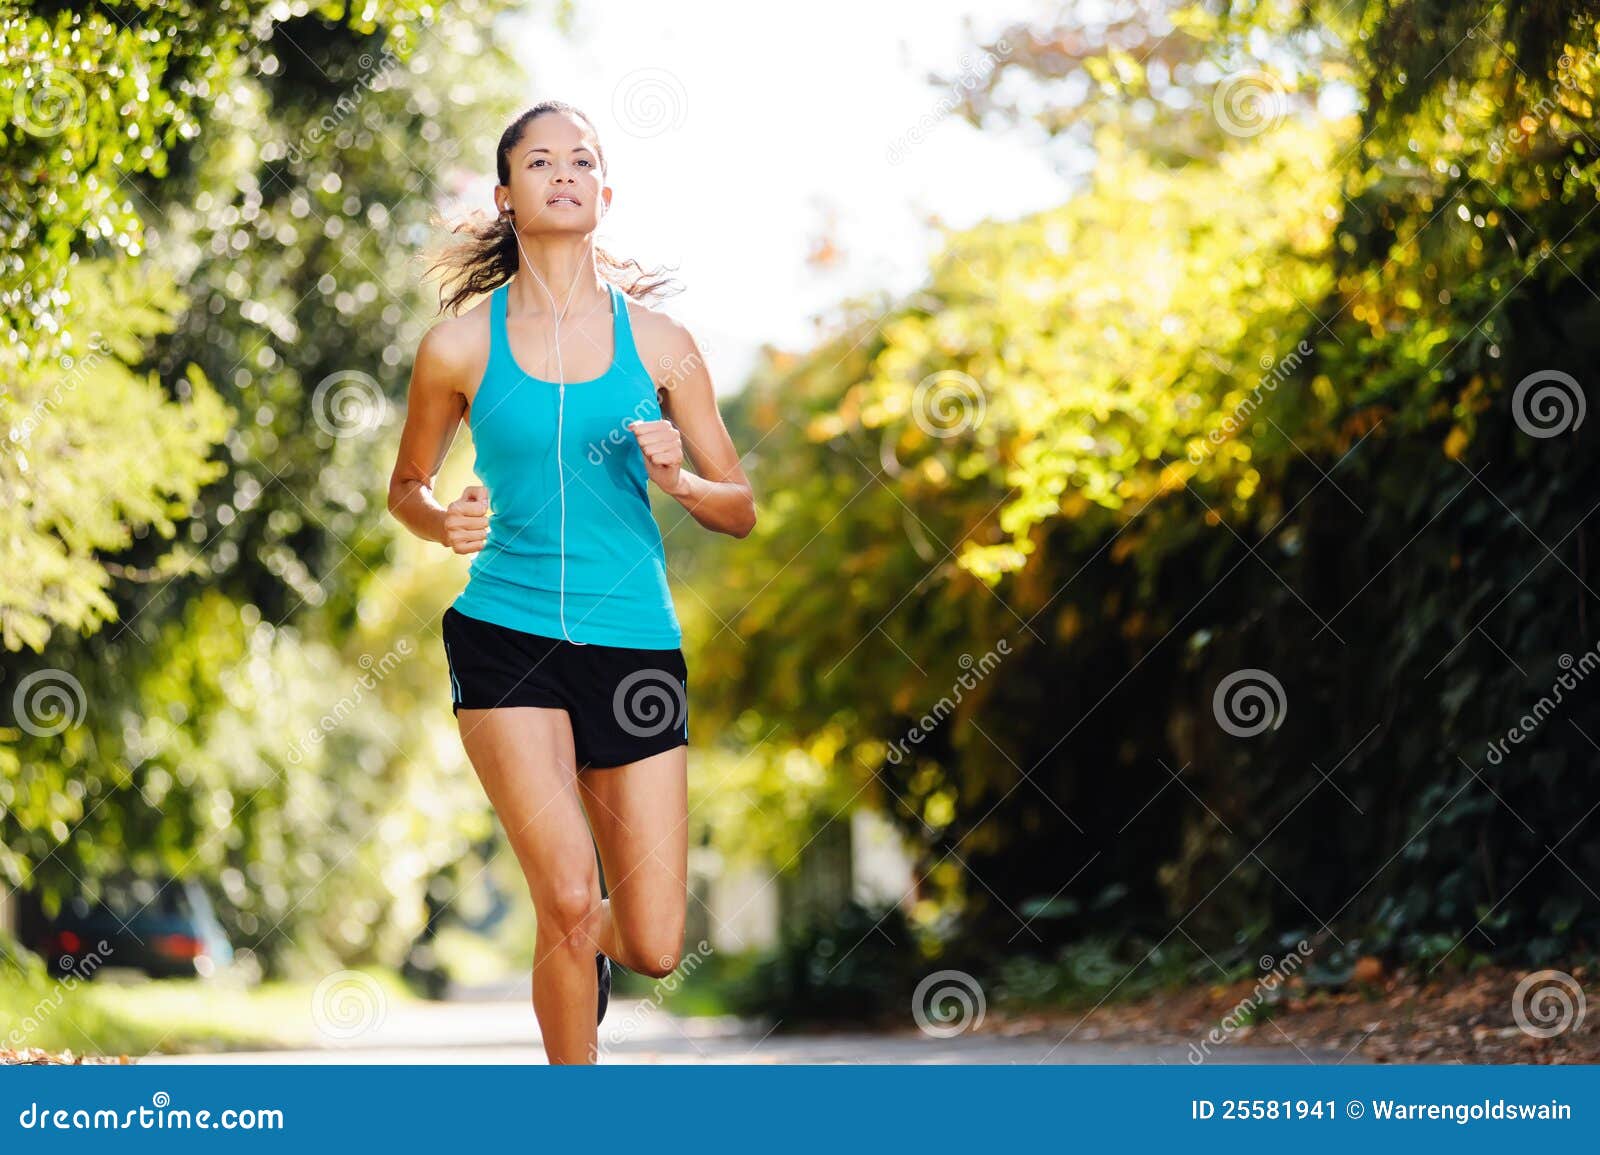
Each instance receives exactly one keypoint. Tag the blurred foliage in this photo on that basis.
(860, 965)
(217, 214)
(1150, 71)
(1109, 968)
(97, 455)
(95, 94)
(1245, 401)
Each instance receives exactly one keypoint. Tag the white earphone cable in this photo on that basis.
(561, 405)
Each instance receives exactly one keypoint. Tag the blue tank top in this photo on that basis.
(604, 579)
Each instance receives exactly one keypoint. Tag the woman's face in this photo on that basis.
(556, 184)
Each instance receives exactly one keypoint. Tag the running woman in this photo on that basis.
(567, 678)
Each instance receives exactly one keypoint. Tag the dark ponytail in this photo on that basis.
(486, 256)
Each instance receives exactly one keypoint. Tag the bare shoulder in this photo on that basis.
(663, 340)
(454, 352)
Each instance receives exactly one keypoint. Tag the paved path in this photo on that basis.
(493, 1027)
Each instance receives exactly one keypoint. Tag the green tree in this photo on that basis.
(1246, 405)
(245, 710)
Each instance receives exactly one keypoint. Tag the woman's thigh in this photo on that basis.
(639, 815)
(524, 757)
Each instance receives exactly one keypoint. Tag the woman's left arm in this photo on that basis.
(719, 497)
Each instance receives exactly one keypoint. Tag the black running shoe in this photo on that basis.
(602, 966)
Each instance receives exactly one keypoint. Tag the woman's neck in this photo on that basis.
(566, 269)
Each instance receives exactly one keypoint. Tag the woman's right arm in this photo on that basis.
(434, 406)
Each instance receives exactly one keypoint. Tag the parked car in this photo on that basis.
(163, 926)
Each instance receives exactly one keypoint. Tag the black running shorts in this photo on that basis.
(625, 704)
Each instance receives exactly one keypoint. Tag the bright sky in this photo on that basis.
(737, 135)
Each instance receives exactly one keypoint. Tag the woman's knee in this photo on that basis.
(570, 908)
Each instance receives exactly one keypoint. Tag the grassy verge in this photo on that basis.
(169, 1016)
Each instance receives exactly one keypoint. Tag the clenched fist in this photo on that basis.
(662, 446)
(466, 520)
